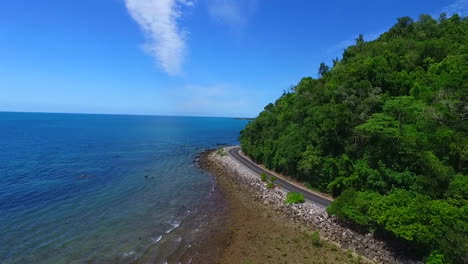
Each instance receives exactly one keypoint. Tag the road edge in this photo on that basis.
(298, 185)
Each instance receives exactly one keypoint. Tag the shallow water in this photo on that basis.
(104, 188)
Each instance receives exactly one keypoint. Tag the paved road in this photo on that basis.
(319, 200)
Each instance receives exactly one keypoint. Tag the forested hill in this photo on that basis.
(385, 130)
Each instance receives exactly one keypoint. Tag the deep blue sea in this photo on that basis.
(104, 188)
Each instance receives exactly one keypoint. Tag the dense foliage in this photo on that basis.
(385, 131)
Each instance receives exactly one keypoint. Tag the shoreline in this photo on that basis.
(260, 234)
(266, 230)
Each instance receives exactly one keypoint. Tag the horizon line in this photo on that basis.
(124, 114)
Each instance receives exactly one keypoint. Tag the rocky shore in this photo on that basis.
(306, 215)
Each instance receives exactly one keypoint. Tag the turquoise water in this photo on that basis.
(104, 188)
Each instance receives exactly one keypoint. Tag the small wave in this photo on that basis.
(156, 239)
(127, 254)
(174, 224)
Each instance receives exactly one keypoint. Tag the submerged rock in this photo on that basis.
(85, 176)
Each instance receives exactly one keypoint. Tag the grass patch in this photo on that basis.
(315, 237)
(294, 198)
(333, 247)
(221, 152)
(268, 179)
(264, 177)
(357, 260)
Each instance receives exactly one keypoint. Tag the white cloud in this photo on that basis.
(158, 19)
(233, 13)
(458, 7)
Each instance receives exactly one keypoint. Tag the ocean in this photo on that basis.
(77, 188)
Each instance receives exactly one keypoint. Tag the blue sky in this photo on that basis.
(178, 57)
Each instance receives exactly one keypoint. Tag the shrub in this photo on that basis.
(272, 178)
(294, 198)
(354, 206)
(221, 152)
(263, 176)
(435, 258)
(315, 237)
(270, 185)
(421, 223)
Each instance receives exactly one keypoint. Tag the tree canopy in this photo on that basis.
(385, 131)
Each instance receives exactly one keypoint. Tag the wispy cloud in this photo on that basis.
(458, 7)
(342, 45)
(233, 13)
(159, 20)
(212, 100)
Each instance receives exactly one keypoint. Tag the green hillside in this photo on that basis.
(385, 130)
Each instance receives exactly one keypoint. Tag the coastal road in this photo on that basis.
(308, 195)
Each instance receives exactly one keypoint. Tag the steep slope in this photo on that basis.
(385, 130)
